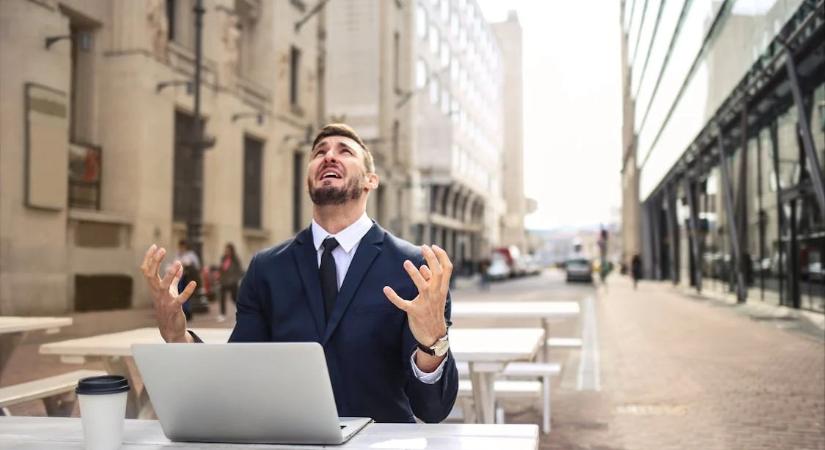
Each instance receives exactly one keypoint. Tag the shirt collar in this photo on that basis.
(347, 238)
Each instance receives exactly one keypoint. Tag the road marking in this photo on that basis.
(589, 369)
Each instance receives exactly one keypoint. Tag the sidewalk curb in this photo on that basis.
(758, 311)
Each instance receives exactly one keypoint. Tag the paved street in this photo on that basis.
(678, 372)
(669, 371)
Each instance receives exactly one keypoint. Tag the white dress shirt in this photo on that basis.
(348, 240)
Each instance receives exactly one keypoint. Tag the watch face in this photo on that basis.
(441, 347)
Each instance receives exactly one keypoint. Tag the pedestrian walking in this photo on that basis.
(636, 269)
(604, 267)
(231, 273)
(483, 266)
(191, 272)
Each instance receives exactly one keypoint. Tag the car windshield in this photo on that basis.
(579, 261)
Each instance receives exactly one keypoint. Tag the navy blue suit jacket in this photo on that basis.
(367, 341)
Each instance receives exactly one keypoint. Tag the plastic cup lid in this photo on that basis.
(104, 384)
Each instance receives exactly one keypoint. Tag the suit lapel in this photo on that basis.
(366, 252)
(306, 258)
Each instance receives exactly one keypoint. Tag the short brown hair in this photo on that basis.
(342, 129)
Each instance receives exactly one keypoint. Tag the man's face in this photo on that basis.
(337, 171)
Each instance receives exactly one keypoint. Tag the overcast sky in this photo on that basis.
(572, 108)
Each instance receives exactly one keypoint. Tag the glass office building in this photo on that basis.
(725, 145)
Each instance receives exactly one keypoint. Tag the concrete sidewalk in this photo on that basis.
(682, 373)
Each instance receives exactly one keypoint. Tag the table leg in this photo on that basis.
(545, 349)
(8, 342)
(484, 395)
(138, 405)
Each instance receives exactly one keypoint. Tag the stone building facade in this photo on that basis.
(96, 113)
(423, 82)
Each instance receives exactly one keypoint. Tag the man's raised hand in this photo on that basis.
(425, 313)
(165, 296)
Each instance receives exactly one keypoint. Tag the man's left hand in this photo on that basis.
(425, 313)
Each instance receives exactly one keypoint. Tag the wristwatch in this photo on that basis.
(438, 349)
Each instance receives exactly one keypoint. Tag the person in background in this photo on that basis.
(636, 269)
(191, 270)
(231, 273)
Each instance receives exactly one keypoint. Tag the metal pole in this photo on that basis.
(804, 132)
(732, 229)
(673, 233)
(694, 234)
(780, 212)
(194, 224)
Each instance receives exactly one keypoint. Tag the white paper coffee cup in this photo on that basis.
(103, 410)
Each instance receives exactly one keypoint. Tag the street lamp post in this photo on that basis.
(194, 223)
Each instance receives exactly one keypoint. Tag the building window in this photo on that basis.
(252, 182)
(434, 39)
(421, 22)
(420, 73)
(294, 72)
(180, 22)
(171, 16)
(84, 176)
(183, 170)
(445, 54)
(297, 190)
(82, 85)
(434, 89)
(245, 37)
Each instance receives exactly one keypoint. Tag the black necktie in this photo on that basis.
(329, 276)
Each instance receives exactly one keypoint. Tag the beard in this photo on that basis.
(330, 195)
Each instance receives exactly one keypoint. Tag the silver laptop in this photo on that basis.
(243, 392)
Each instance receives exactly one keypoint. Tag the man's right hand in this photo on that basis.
(167, 300)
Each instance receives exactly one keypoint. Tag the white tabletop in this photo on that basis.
(495, 344)
(63, 433)
(544, 310)
(12, 324)
(120, 344)
(467, 344)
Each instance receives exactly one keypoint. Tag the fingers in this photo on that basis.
(434, 266)
(151, 272)
(176, 281)
(415, 275)
(425, 272)
(144, 266)
(171, 273)
(187, 292)
(399, 302)
(446, 267)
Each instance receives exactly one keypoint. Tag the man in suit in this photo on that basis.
(379, 305)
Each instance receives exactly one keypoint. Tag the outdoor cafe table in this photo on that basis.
(486, 350)
(48, 433)
(544, 310)
(114, 349)
(12, 330)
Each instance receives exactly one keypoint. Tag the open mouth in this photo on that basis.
(330, 174)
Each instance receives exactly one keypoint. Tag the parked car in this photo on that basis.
(530, 264)
(512, 257)
(499, 269)
(578, 269)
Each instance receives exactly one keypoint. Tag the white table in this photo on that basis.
(487, 351)
(32, 433)
(114, 349)
(13, 329)
(546, 311)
